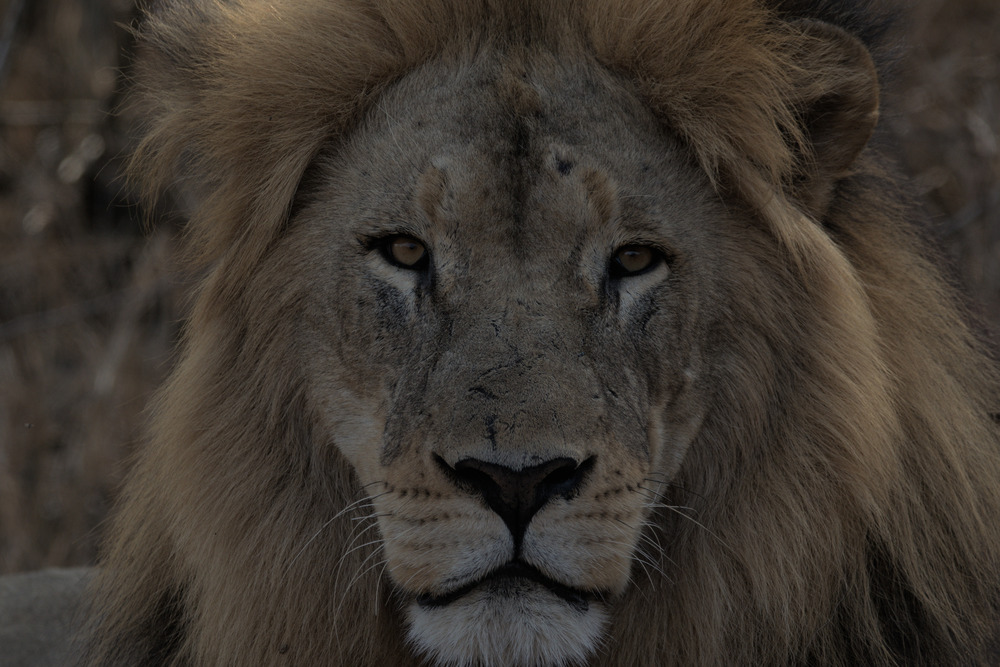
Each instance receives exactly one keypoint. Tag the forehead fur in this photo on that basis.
(241, 94)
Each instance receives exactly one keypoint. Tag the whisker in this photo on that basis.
(677, 510)
(644, 535)
(377, 481)
(641, 557)
(350, 548)
(663, 480)
(356, 579)
(365, 571)
(378, 585)
(362, 570)
(364, 501)
(358, 547)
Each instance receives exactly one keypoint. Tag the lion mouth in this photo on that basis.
(509, 580)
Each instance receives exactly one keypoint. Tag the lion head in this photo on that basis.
(546, 334)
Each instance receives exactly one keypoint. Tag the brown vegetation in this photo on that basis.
(90, 302)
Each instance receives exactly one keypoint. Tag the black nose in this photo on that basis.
(516, 495)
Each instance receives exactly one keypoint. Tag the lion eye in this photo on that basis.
(632, 260)
(405, 252)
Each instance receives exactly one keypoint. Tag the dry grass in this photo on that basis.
(90, 303)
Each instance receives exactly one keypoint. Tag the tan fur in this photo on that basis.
(794, 463)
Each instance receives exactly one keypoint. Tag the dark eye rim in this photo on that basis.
(383, 245)
(617, 271)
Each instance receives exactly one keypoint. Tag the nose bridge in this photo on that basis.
(517, 347)
(512, 380)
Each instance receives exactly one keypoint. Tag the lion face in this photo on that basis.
(501, 335)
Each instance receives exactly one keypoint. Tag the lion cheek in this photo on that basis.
(352, 424)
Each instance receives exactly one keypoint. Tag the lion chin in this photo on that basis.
(507, 620)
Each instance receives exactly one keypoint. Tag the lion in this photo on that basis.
(546, 333)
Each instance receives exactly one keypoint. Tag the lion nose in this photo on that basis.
(517, 494)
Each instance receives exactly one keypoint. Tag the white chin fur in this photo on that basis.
(527, 628)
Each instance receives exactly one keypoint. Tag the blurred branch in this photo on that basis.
(55, 317)
(130, 298)
(84, 112)
(10, 21)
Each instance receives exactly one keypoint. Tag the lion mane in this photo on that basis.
(819, 484)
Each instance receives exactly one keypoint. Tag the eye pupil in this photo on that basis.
(632, 259)
(406, 251)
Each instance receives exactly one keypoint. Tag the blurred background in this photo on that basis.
(91, 299)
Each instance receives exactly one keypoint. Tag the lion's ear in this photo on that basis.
(837, 97)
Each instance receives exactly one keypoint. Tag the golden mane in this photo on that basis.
(849, 504)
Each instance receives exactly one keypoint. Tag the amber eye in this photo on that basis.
(405, 252)
(632, 260)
